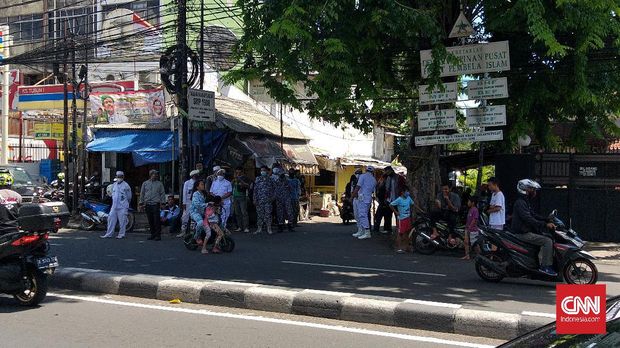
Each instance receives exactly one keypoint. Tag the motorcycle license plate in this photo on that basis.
(47, 262)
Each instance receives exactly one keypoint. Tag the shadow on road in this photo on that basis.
(318, 255)
(9, 305)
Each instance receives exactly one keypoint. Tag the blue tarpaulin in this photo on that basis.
(146, 146)
(209, 142)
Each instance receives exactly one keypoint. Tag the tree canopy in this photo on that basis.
(359, 60)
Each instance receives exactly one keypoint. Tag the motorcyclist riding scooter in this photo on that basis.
(528, 226)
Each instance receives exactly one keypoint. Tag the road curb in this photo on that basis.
(334, 305)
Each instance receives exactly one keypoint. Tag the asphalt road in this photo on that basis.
(319, 255)
(69, 319)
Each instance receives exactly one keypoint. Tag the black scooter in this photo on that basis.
(24, 260)
(504, 255)
(424, 244)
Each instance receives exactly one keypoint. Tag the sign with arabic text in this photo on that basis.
(488, 116)
(436, 120)
(488, 88)
(436, 96)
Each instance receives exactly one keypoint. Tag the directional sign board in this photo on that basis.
(489, 116)
(429, 140)
(474, 59)
(488, 88)
(201, 105)
(436, 120)
(435, 96)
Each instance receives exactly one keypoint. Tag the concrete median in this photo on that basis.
(413, 314)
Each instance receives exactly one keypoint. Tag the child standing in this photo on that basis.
(401, 206)
(471, 226)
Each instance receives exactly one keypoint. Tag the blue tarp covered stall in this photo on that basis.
(207, 144)
(146, 146)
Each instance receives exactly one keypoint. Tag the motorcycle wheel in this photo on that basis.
(424, 246)
(36, 291)
(488, 274)
(189, 242)
(580, 271)
(227, 244)
(87, 225)
(131, 221)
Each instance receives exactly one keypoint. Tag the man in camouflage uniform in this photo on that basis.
(284, 206)
(264, 190)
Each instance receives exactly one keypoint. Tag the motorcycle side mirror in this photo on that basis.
(553, 213)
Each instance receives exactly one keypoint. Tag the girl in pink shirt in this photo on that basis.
(471, 226)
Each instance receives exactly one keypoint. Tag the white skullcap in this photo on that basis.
(194, 172)
(120, 173)
(216, 168)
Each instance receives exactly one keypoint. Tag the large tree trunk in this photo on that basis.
(423, 175)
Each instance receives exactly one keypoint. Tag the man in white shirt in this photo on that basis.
(121, 196)
(363, 192)
(223, 188)
(188, 186)
(497, 207)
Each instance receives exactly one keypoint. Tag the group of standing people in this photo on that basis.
(274, 189)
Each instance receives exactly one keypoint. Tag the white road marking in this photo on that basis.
(539, 314)
(364, 268)
(274, 321)
(436, 304)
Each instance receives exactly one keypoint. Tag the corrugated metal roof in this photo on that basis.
(245, 118)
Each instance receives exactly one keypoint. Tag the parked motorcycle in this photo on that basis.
(227, 243)
(96, 214)
(424, 244)
(504, 255)
(24, 260)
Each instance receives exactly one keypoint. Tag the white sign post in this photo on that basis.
(474, 59)
(201, 105)
(488, 116)
(436, 120)
(488, 88)
(435, 96)
(428, 140)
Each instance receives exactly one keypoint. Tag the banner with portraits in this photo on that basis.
(145, 106)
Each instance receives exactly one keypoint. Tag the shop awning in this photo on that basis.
(364, 162)
(267, 152)
(146, 146)
(233, 153)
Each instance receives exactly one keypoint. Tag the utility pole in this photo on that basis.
(181, 84)
(85, 95)
(74, 128)
(65, 135)
(202, 44)
(4, 151)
